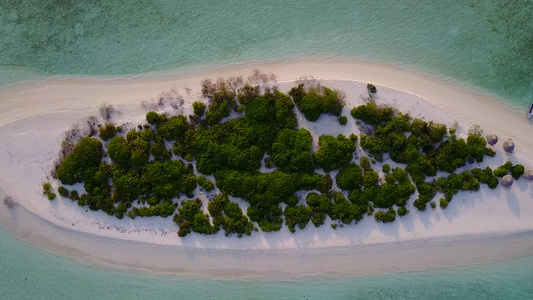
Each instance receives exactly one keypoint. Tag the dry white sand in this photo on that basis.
(34, 118)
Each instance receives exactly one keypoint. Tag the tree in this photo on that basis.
(316, 101)
(199, 108)
(291, 152)
(86, 155)
(107, 132)
(334, 152)
(350, 177)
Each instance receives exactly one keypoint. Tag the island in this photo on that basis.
(251, 153)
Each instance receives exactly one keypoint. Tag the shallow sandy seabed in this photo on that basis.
(481, 227)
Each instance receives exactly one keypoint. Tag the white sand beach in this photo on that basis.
(34, 118)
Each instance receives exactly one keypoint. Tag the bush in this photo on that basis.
(443, 203)
(291, 152)
(47, 187)
(206, 184)
(372, 114)
(73, 195)
(153, 118)
(334, 153)
(371, 88)
(107, 132)
(365, 163)
(85, 156)
(517, 171)
(386, 168)
(343, 120)
(199, 108)
(350, 177)
(229, 215)
(402, 211)
(63, 192)
(299, 215)
(316, 101)
(385, 217)
(433, 204)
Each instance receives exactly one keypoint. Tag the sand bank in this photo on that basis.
(34, 118)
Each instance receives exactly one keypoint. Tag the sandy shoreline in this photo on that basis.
(35, 116)
(274, 265)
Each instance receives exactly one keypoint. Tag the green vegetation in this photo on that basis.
(385, 216)
(314, 102)
(63, 192)
(107, 132)
(206, 184)
(516, 170)
(343, 120)
(199, 108)
(148, 170)
(334, 153)
(191, 218)
(229, 215)
(371, 88)
(47, 190)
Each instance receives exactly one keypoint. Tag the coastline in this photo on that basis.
(275, 265)
(63, 102)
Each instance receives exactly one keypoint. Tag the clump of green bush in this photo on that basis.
(63, 192)
(343, 120)
(402, 211)
(371, 88)
(47, 190)
(316, 101)
(385, 216)
(206, 184)
(199, 108)
(107, 132)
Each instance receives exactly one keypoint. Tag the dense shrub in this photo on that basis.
(205, 183)
(486, 176)
(299, 215)
(316, 101)
(291, 152)
(153, 118)
(47, 190)
(191, 218)
(199, 108)
(365, 163)
(350, 177)
(343, 120)
(371, 114)
(334, 153)
(63, 192)
(85, 156)
(321, 206)
(517, 171)
(229, 216)
(371, 88)
(107, 132)
(385, 217)
(386, 168)
(402, 211)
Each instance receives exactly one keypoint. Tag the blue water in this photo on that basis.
(31, 273)
(483, 44)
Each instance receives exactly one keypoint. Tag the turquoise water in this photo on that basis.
(31, 273)
(481, 43)
(484, 44)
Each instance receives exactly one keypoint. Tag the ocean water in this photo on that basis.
(31, 273)
(483, 44)
(486, 44)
